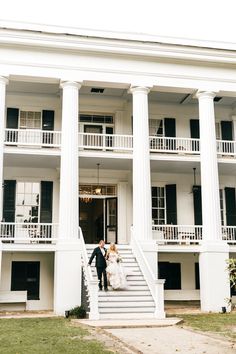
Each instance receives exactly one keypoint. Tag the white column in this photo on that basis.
(69, 176)
(3, 83)
(214, 280)
(67, 270)
(234, 126)
(142, 217)
(209, 168)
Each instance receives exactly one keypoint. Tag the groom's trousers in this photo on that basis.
(102, 272)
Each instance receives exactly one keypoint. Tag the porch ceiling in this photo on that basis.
(26, 160)
(106, 163)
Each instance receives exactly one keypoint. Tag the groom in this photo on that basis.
(100, 263)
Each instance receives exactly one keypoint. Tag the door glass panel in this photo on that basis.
(111, 219)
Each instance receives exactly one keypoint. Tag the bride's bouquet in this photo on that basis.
(119, 259)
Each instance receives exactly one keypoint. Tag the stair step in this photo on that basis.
(123, 293)
(126, 310)
(122, 304)
(136, 316)
(126, 299)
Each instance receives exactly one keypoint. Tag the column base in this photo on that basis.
(214, 278)
(67, 277)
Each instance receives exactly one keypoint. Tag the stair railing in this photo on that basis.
(92, 284)
(156, 286)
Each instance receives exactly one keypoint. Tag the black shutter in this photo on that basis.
(197, 276)
(9, 201)
(194, 129)
(12, 123)
(170, 129)
(197, 204)
(226, 130)
(12, 118)
(195, 134)
(230, 206)
(48, 124)
(171, 204)
(48, 120)
(46, 202)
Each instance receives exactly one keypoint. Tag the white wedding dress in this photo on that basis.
(116, 273)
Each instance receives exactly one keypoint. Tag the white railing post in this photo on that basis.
(153, 283)
(159, 287)
(92, 284)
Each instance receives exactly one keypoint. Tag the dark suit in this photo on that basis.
(100, 264)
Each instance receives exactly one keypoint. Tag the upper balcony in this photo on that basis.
(115, 143)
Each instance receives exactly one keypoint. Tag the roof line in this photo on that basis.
(115, 35)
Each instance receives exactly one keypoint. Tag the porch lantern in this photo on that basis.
(98, 189)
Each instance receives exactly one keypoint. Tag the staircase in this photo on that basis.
(136, 302)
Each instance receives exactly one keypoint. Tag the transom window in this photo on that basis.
(93, 118)
(158, 206)
(30, 120)
(27, 201)
(90, 189)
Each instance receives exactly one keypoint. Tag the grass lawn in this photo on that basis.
(223, 324)
(46, 335)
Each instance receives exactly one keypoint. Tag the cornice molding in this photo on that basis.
(80, 43)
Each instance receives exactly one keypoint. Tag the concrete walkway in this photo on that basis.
(132, 323)
(172, 340)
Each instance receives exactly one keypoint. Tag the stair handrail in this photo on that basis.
(156, 286)
(92, 283)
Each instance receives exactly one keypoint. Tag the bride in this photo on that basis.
(115, 271)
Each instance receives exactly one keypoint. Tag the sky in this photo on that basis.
(200, 19)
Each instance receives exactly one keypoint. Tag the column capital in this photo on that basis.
(69, 83)
(4, 80)
(139, 89)
(205, 94)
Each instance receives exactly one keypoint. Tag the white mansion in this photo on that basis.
(130, 138)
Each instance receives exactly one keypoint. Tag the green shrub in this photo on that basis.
(78, 312)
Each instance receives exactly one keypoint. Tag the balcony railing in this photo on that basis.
(181, 234)
(229, 234)
(33, 137)
(106, 142)
(188, 234)
(113, 142)
(226, 147)
(11, 232)
(174, 145)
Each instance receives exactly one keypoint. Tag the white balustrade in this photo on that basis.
(106, 141)
(156, 286)
(226, 147)
(187, 234)
(229, 234)
(176, 145)
(92, 284)
(33, 137)
(28, 232)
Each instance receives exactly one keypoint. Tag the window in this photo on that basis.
(30, 120)
(156, 127)
(158, 206)
(171, 272)
(27, 201)
(25, 276)
(222, 206)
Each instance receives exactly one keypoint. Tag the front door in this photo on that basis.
(98, 219)
(111, 220)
